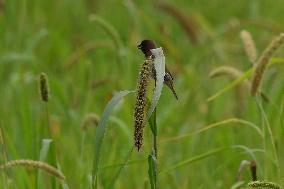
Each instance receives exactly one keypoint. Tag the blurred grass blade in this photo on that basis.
(63, 183)
(111, 31)
(159, 63)
(193, 159)
(245, 76)
(36, 39)
(16, 56)
(231, 120)
(132, 162)
(132, 10)
(219, 124)
(122, 126)
(208, 154)
(101, 131)
(205, 25)
(246, 150)
(121, 168)
(4, 158)
(42, 156)
(238, 184)
(152, 171)
(44, 149)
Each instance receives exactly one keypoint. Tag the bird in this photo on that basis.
(145, 46)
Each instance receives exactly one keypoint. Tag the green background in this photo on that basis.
(86, 63)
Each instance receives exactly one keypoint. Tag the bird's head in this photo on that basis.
(145, 46)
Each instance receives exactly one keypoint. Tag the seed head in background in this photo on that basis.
(145, 46)
(43, 87)
(263, 61)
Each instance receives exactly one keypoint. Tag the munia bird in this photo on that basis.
(146, 46)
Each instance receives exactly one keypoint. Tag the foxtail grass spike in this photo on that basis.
(43, 87)
(263, 62)
(141, 103)
(234, 73)
(35, 164)
(249, 45)
(231, 72)
(89, 120)
(264, 184)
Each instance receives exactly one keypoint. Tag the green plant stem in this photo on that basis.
(47, 120)
(155, 147)
(152, 158)
(266, 122)
(82, 146)
(48, 134)
(82, 154)
(264, 145)
(4, 155)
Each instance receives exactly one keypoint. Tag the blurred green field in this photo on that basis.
(88, 49)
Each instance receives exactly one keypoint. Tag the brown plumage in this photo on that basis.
(145, 46)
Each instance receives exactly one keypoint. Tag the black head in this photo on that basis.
(145, 46)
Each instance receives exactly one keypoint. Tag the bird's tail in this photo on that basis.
(171, 87)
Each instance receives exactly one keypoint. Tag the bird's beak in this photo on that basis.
(139, 46)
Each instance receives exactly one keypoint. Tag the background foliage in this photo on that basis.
(88, 50)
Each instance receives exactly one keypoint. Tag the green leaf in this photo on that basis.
(159, 63)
